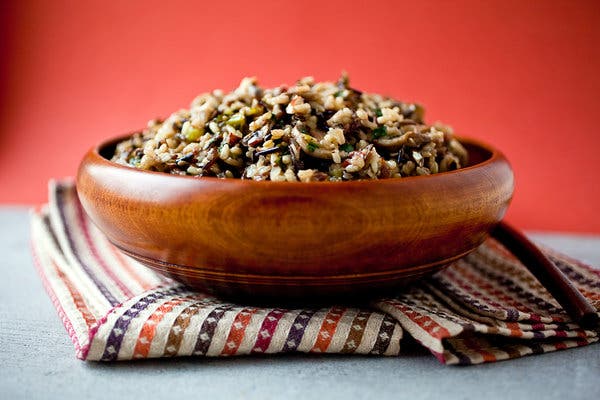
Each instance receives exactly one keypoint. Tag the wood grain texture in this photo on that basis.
(278, 238)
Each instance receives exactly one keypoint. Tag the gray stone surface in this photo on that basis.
(37, 359)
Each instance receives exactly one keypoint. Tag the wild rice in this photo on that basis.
(313, 131)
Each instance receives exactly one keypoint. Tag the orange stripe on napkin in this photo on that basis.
(327, 329)
(237, 331)
(144, 341)
(77, 298)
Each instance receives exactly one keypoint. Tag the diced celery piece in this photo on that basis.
(190, 132)
(236, 120)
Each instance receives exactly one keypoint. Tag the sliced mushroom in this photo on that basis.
(392, 144)
(413, 138)
(459, 151)
(310, 145)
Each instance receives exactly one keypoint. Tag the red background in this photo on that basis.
(522, 75)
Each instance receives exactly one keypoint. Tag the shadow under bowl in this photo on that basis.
(287, 240)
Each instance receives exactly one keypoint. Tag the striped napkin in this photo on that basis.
(485, 307)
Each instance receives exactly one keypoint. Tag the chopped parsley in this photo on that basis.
(378, 112)
(380, 131)
(312, 146)
(338, 93)
(347, 147)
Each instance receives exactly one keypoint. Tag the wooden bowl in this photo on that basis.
(289, 239)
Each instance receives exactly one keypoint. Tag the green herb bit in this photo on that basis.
(236, 120)
(280, 162)
(378, 112)
(347, 147)
(190, 132)
(380, 131)
(312, 146)
(338, 93)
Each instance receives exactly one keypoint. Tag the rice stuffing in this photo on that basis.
(312, 131)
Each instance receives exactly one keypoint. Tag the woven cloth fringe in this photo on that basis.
(485, 307)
